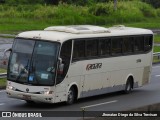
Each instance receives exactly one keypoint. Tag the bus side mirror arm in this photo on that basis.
(7, 50)
(60, 61)
(4, 62)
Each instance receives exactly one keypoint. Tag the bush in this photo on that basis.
(19, 2)
(44, 12)
(148, 11)
(2, 1)
(158, 12)
(126, 11)
(62, 14)
(101, 9)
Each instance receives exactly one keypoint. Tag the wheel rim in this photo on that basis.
(70, 96)
(128, 87)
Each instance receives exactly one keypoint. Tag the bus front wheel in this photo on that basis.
(128, 87)
(30, 102)
(71, 96)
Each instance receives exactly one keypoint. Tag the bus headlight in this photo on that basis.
(46, 92)
(11, 87)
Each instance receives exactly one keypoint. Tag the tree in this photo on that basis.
(2, 1)
(53, 2)
(154, 3)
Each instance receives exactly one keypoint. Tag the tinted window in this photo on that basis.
(20, 60)
(24, 46)
(127, 45)
(66, 56)
(66, 50)
(79, 49)
(33, 62)
(139, 44)
(104, 47)
(116, 46)
(148, 43)
(43, 65)
(91, 48)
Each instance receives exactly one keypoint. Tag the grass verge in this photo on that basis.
(156, 49)
(157, 38)
(14, 19)
(2, 83)
(156, 59)
(3, 70)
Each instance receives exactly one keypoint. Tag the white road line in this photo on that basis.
(157, 75)
(2, 91)
(99, 104)
(156, 67)
(2, 103)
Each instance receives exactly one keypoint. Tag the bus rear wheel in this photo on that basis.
(71, 96)
(128, 87)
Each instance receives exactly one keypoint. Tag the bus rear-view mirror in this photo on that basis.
(60, 66)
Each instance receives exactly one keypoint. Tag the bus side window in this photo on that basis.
(104, 47)
(91, 48)
(78, 50)
(128, 45)
(148, 43)
(116, 46)
(139, 44)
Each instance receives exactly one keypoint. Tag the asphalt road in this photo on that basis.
(118, 101)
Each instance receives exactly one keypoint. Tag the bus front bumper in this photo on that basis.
(30, 96)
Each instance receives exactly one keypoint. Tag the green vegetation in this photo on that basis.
(156, 59)
(14, 19)
(157, 39)
(155, 3)
(2, 82)
(156, 49)
(3, 70)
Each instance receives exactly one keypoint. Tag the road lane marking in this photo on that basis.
(157, 75)
(89, 106)
(156, 67)
(2, 103)
(2, 91)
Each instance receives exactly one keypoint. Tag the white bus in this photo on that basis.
(65, 63)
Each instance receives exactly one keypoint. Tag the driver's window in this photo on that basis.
(65, 55)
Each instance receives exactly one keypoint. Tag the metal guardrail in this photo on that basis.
(157, 54)
(156, 57)
(3, 75)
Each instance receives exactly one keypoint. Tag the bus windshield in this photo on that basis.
(33, 62)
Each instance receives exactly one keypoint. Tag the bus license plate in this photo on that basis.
(27, 97)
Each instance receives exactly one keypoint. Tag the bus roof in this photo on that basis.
(63, 33)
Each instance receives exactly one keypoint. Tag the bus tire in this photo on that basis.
(128, 87)
(71, 96)
(30, 102)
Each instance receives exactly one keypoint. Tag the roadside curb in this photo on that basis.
(155, 63)
(2, 87)
(7, 35)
